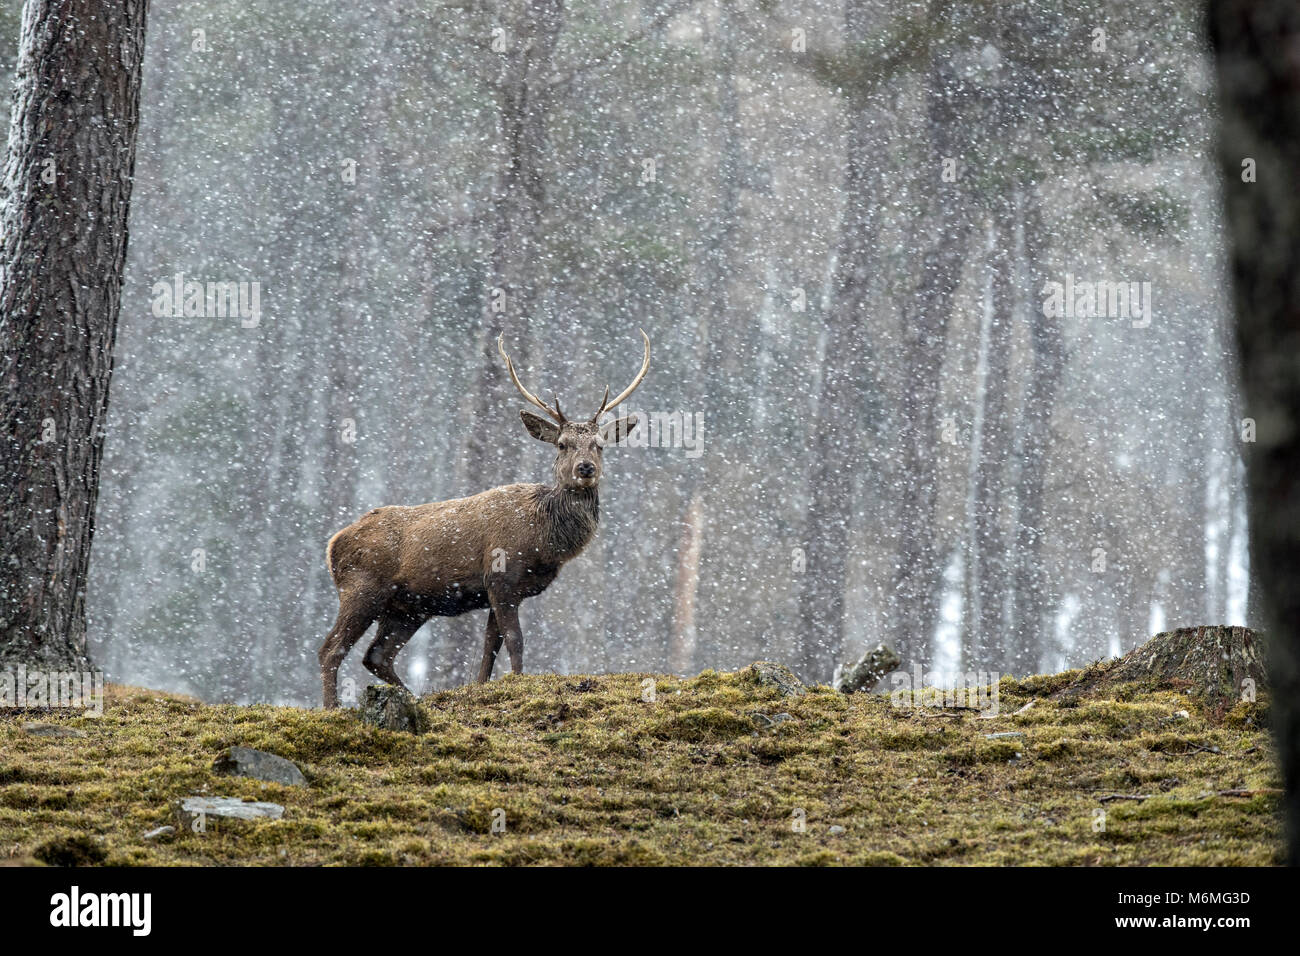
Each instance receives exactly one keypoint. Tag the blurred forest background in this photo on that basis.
(898, 444)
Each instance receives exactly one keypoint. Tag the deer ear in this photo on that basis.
(619, 429)
(540, 428)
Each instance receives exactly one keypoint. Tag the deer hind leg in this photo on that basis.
(393, 632)
(354, 617)
(491, 644)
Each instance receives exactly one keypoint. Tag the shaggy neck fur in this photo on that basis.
(571, 515)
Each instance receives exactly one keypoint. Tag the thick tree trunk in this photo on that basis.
(514, 296)
(834, 452)
(1259, 88)
(943, 230)
(725, 347)
(1217, 665)
(66, 192)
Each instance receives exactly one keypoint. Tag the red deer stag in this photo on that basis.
(400, 565)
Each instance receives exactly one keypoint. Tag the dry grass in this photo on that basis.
(582, 770)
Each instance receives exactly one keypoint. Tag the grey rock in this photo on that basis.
(190, 810)
(259, 765)
(1005, 735)
(863, 676)
(836, 830)
(37, 729)
(767, 674)
(767, 721)
(392, 708)
(160, 832)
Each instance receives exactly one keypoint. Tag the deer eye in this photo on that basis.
(562, 446)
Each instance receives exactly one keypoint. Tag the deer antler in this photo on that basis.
(555, 412)
(605, 404)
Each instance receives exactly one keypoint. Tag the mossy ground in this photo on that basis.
(583, 770)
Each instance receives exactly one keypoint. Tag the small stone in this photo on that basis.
(393, 708)
(50, 730)
(191, 810)
(836, 830)
(160, 832)
(767, 721)
(259, 765)
(1005, 735)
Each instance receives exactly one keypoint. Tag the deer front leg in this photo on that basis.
(507, 613)
(491, 644)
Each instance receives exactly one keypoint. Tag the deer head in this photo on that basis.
(578, 444)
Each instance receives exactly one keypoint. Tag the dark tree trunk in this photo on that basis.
(724, 343)
(943, 230)
(67, 190)
(1217, 665)
(524, 96)
(1259, 88)
(834, 451)
(1031, 584)
(493, 448)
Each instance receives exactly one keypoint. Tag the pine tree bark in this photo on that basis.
(525, 96)
(1031, 583)
(834, 452)
(66, 195)
(515, 268)
(1217, 665)
(944, 228)
(1259, 89)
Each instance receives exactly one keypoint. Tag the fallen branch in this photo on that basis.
(1139, 797)
(1016, 714)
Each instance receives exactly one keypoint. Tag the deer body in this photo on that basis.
(401, 565)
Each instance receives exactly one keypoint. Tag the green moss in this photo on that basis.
(711, 723)
(547, 770)
(71, 849)
(1248, 714)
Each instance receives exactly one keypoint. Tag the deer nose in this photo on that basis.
(585, 469)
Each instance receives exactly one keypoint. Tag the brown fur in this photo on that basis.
(402, 565)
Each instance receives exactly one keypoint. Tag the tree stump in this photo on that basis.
(1218, 664)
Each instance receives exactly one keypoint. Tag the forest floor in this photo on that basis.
(582, 770)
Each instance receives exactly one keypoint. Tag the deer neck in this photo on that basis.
(571, 516)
